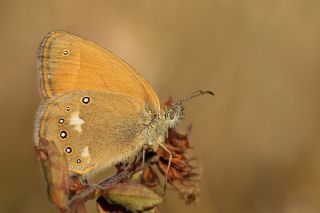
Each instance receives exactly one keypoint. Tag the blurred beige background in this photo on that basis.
(258, 138)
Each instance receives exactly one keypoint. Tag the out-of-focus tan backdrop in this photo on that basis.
(258, 138)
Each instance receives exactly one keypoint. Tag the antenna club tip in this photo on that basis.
(208, 92)
(195, 94)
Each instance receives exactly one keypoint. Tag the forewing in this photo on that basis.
(68, 62)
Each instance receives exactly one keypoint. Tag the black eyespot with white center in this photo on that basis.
(63, 134)
(78, 160)
(68, 149)
(61, 121)
(86, 100)
(68, 108)
(65, 52)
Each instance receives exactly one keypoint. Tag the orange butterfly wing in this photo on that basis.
(68, 62)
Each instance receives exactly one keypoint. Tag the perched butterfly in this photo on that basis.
(96, 108)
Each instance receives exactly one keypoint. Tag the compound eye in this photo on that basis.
(171, 116)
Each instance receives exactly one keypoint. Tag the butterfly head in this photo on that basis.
(174, 115)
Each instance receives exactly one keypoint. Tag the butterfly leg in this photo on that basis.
(143, 162)
(169, 164)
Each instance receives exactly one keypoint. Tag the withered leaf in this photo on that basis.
(56, 172)
(135, 197)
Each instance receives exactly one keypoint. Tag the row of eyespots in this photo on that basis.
(63, 133)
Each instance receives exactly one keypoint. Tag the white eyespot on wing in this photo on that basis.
(85, 152)
(76, 121)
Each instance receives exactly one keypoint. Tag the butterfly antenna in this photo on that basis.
(195, 94)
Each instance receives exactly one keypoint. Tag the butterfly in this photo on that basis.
(95, 107)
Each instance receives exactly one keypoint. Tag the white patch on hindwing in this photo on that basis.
(85, 152)
(76, 121)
